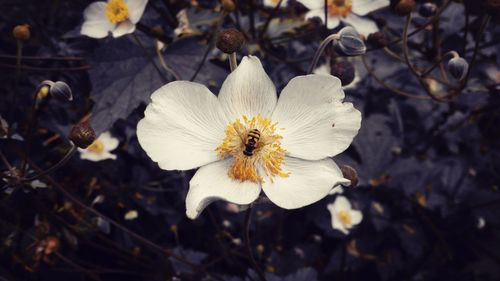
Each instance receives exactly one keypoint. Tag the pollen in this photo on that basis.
(339, 7)
(117, 11)
(96, 147)
(344, 217)
(266, 157)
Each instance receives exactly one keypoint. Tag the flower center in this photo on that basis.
(253, 143)
(344, 217)
(339, 7)
(117, 11)
(96, 147)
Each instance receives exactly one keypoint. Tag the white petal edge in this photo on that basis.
(273, 3)
(248, 91)
(95, 24)
(316, 123)
(312, 4)
(341, 203)
(335, 222)
(182, 127)
(356, 217)
(308, 182)
(211, 183)
(362, 25)
(136, 9)
(109, 142)
(125, 27)
(95, 157)
(364, 7)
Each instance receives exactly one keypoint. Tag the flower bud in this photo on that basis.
(458, 68)
(349, 42)
(228, 5)
(349, 173)
(230, 40)
(22, 32)
(427, 9)
(403, 7)
(344, 70)
(378, 39)
(61, 91)
(82, 135)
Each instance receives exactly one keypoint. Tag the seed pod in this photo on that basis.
(344, 70)
(61, 91)
(403, 7)
(22, 32)
(378, 39)
(349, 42)
(82, 135)
(230, 40)
(427, 9)
(349, 173)
(458, 67)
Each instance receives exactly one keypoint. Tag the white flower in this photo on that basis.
(273, 3)
(343, 216)
(100, 149)
(326, 69)
(347, 11)
(246, 139)
(116, 16)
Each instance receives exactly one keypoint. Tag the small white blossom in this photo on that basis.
(116, 16)
(100, 149)
(246, 140)
(344, 218)
(350, 12)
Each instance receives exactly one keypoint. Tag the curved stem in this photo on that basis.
(149, 57)
(59, 164)
(248, 215)
(233, 63)
(427, 71)
(320, 51)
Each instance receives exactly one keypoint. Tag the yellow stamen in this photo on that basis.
(339, 7)
(117, 11)
(96, 147)
(266, 154)
(344, 217)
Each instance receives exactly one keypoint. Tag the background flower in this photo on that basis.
(350, 12)
(116, 16)
(344, 217)
(100, 149)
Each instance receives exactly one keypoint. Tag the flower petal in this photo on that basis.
(109, 142)
(320, 13)
(182, 127)
(362, 25)
(356, 217)
(341, 203)
(95, 24)
(136, 9)
(308, 182)
(316, 123)
(363, 7)
(123, 28)
(312, 4)
(211, 182)
(96, 157)
(336, 223)
(248, 91)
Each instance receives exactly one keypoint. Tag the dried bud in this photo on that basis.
(22, 32)
(349, 42)
(403, 7)
(378, 39)
(349, 173)
(427, 9)
(82, 135)
(230, 40)
(344, 70)
(458, 67)
(228, 5)
(61, 91)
